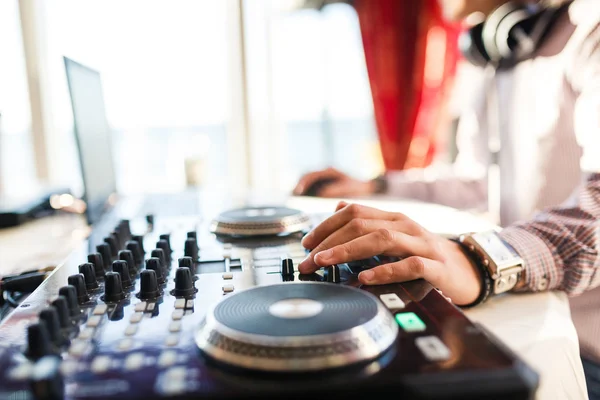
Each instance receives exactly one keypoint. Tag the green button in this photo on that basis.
(410, 322)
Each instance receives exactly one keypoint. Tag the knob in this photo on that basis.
(167, 237)
(160, 254)
(134, 247)
(287, 267)
(333, 274)
(148, 285)
(89, 275)
(70, 293)
(60, 303)
(192, 234)
(191, 248)
(164, 245)
(113, 289)
(98, 261)
(120, 236)
(78, 282)
(140, 240)
(184, 283)
(121, 267)
(187, 262)
(127, 256)
(150, 219)
(113, 245)
(125, 228)
(38, 341)
(46, 379)
(50, 317)
(104, 250)
(153, 264)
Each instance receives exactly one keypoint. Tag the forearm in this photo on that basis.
(560, 245)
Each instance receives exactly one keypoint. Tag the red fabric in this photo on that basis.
(411, 55)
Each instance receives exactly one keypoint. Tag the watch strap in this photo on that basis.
(486, 280)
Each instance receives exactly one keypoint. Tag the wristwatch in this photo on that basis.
(498, 259)
(380, 184)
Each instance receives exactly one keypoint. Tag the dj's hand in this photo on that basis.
(357, 232)
(340, 185)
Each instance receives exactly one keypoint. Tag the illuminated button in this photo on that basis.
(228, 288)
(176, 374)
(78, 348)
(410, 322)
(172, 340)
(94, 321)
(134, 361)
(177, 314)
(180, 303)
(101, 364)
(227, 275)
(150, 306)
(86, 334)
(131, 330)
(68, 367)
(174, 387)
(136, 317)
(125, 344)
(167, 358)
(392, 301)
(432, 348)
(175, 326)
(140, 307)
(20, 372)
(189, 304)
(100, 309)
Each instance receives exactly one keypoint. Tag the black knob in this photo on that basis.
(121, 267)
(125, 229)
(192, 234)
(118, 234)
(184, 283)
(191, 248)
(160, 254)
(150, 219)
(164, 245)
(134, 247)
(89, 275)
(60, 303)
(46, 379)
(167, 237)
(140, 240)
(38, 341)
(148, 285)
(70, 293)
(187, 262)
(153, 264)
(78, 282)
(333, 274)
(50, 317)
(98, 261)
(104, 250)
(113, 244)
(127, 256)
(113, 289)
(287, 267)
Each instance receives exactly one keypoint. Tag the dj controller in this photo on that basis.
(182, 307)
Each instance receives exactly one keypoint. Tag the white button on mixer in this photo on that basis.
(432, 348)
(150, 306)
(180, 303)
(100, 309)
(86, 334)
(78, 348)
(228, 288)
(392, 301)
(134, 361)
(189, 304)
(227, 275)
(172, 340)
(101, 364)
(125, 344)
(94, 321)
(177, 314)
(140, 307)
(21, 371)
(167, 358)
(131, 330)
(136, 317)
(175, 326)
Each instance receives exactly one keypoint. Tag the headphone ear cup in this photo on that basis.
(471, 46)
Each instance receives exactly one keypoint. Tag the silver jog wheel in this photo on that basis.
(260, 221)
(297, 327)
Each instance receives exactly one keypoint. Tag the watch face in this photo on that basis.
(495, 248)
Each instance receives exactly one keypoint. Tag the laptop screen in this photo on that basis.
(92, 134)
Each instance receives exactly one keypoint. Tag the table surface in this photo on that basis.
(537, 327)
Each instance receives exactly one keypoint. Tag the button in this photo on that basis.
(432, 348)
(172, 340)
(100, 309)
(150, 306)
(101, 364)
(125, 344)
(175, 326)
(392, 301)
(228, 288)
(136, 317)
(167, 358)
(287, 267)
(177, 314)
(134, 361)
(189, 304)
(332, 274)
(180, 303)
(172, 388)
(410, 322)
(141, 306)
(94, 321)
(78, 348)
(227, 275)
(68, 367)
(20, 372)
(176, 374)
(86, 334)
(131, 330)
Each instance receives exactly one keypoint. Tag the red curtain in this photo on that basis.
(411, 55)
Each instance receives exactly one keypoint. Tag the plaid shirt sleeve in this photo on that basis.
(560, 245)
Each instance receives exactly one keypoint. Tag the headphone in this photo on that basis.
(510, 34)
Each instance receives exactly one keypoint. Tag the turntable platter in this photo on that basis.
(297, 327)
(260, 221)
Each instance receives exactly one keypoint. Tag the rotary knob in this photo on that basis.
(184, 283)
(125, 228)
(38, 341)
(153, 264)
(104, 250)
(121, 268)
(167, 238)
(140, 240)
(46, 380)
(98, 261)
(127, 256)
(89, 275)
(113, 289)
(62, 309)
(148, 285)
(70, 294)
(287, 267)
(191, 248)
(78, 282)
(113, 244)
(164, 245)
(333, 274)
(50, 317)
(160, 254)
(187, 262)
(134, 247)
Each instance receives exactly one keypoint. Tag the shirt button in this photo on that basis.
(542, 284)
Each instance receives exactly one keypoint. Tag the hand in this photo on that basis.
(342, 185)
(356, 232)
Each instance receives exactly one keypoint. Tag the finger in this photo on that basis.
(409, 269)
(336, 189)
(312, 177)
(341, 218)
(340, 205)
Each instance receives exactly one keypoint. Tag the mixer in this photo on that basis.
(179, 307)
